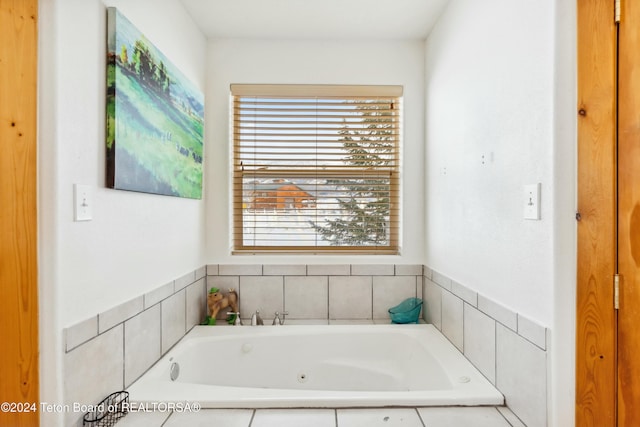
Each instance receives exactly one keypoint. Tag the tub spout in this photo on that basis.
(256, 319)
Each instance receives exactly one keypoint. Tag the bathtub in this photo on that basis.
(315, 366)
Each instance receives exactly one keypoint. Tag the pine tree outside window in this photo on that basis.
(316, 168)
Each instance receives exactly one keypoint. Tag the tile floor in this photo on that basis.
(371, 417)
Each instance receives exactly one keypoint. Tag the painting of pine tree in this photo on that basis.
(155, 117)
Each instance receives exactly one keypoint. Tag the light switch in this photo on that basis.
(82, 203)
(531, 199)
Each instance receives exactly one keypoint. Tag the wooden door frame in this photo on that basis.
(19, 361)
(597, 134)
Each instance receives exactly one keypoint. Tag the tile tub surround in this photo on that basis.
(509, 349)
(109, 351)
(329, 291)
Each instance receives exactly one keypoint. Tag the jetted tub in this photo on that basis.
(315, 366)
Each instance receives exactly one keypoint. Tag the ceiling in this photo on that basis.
(315, 19)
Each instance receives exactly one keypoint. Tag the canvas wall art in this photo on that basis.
(155, 117)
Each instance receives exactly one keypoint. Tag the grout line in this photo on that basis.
(253, 415)
(495, 368)
(372, 297)
(328, 298)
(186, 310)
(161, 331)
(124, 367)
(335, 414)
(419, 417)
(284, 307)
(166, 419)
(502, 415)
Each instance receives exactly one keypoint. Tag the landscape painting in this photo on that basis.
(155, 117)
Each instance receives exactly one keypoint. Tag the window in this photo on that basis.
(316, 168)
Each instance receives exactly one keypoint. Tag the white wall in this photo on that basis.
(313, 62)
(489, 131)
(500, 94)
(135, 242)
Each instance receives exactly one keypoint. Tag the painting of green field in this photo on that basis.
(155, 117)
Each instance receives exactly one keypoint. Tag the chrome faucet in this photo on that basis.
(256, 319)
(277, 321)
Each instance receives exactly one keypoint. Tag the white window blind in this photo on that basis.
(316, 168)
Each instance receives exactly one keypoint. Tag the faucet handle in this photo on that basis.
(276, 320)
(237, 321)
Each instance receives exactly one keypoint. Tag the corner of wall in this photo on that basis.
(510, 350)
(107, 352)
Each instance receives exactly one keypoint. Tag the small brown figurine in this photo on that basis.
(216, 301)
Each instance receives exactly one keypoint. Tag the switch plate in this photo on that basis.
(531, 200)
(82, 203)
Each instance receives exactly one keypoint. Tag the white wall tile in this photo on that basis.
(210, 418)
(306, 297)
(379, 417)
(173, 320)
(465, 293)
(441, 280)
(480, 341)
(452, 319)
(372, 269)
(120, 313)
(307, 321)
(408, 269)
(328, 270)
(532, 331)
(284, 270)
(81, 332)
(264, 293)
(157, 295)
(201, 272)
(144, 419)
(432, 303)
(93, 371)
(521, 375)
(212, 269)
(240, 269)
(463, 417)
(184, 281)
(510, 416)
(224, 283)
(498, 312)
(351, 321)
(350, 297)
(196, 303)
(142, 347)
(294, 418)
(389, 291)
